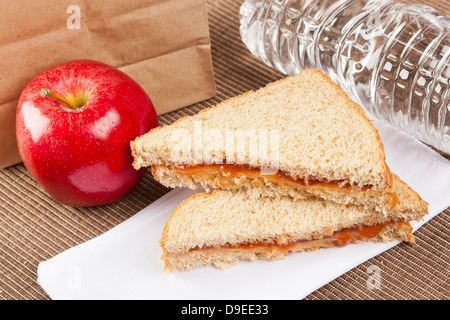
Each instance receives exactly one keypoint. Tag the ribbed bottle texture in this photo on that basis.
(392, 58)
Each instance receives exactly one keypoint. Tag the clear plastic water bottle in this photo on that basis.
(392, 58)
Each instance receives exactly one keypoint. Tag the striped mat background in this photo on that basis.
(34, 228)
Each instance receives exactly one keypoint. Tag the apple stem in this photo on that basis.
(49, 93)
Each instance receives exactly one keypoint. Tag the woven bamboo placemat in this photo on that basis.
(34, 228)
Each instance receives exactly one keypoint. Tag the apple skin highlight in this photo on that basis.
(81, 156)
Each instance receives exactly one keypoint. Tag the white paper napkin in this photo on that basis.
(124, 263)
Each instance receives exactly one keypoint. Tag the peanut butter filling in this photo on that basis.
(339, 238)
(236, 173)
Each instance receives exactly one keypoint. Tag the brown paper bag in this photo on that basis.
(164, 45)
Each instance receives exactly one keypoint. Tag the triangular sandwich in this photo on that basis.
(300, 137)
(225, 227)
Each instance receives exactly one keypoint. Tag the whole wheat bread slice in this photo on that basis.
(209, 229)
(322, 136)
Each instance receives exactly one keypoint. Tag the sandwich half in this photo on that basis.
(300, 137)
(224, 227)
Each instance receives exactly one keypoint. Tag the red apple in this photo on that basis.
(74, 125)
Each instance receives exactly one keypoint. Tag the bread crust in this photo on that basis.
(378, 200)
